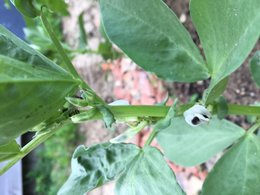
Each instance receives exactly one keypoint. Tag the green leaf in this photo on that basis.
(57, 6)
(108, 116)
(26, 7)
(148, 174)
(83, 38)
(188, 146)
(38, 38)
(32, 87)
(228, 30)
(215, 90)
(97, 165)
(84, 116)
(255, 68)
(238, 171)
(105, 49)
(151, 34)
(9, 150)
(166, 122)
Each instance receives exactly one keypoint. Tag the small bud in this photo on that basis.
(197, 115)
(83, 116)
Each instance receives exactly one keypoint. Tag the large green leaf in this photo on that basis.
(238, 171)
(255, 68)
(9, 150)
(228, 30)
(148, 174)
(188, 146)
(94, 166)
(151, 34)
(32, 87)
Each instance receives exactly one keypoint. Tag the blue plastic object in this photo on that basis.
(12, 19)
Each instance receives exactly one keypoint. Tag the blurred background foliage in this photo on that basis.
(52, 166)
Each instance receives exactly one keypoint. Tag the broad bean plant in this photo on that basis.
(39, 95)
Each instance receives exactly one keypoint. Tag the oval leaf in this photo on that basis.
(255, 68)
(189, 146)
(151, 34)
(237, 172)
(32, 87)
(228, 30)
(148, 174)
(97, 165)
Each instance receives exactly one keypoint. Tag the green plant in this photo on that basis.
(150, 34)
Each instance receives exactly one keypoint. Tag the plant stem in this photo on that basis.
(243, 110)
(151, 137)
(39, 139)
(252, 129)
(60, 49)
(62, 52)
(161, 111)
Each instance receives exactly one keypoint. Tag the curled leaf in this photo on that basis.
(84, 116)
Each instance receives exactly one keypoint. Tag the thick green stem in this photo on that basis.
(124, 112)
(234, 109)
(161, 111)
